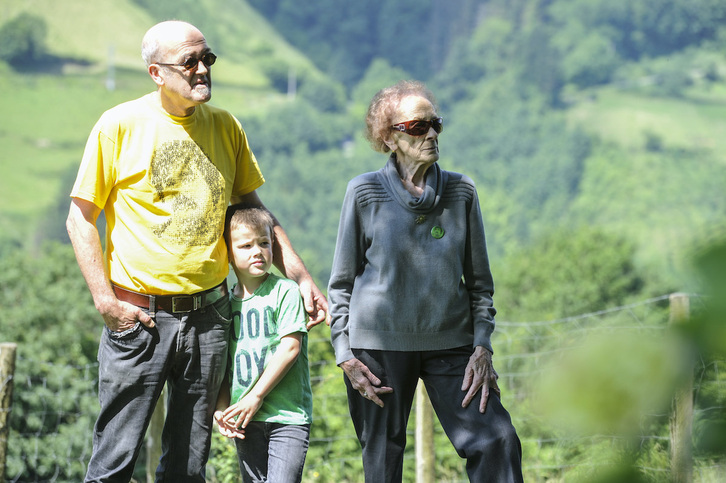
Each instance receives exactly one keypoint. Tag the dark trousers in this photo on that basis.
(488, 441)
(189, 351)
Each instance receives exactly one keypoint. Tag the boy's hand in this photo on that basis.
(226, 429)
(239, 415)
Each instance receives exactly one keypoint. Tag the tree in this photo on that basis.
(22, 40)
(522, 155)
(289, 126)
(324, 94)
(567, 273)
(591, 61)
(343, 38)
(646, 27)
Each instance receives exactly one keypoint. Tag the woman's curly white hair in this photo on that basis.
(383, 108)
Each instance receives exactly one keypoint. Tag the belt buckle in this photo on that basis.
(196, 303)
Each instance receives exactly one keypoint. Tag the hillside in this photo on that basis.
(96, 33)
(625, 117)
(638, 148)
(54, 106)
(658, 173)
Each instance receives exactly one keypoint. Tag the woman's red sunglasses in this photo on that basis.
(419, 128)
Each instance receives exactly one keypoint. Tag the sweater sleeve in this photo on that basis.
(478, 278)
(346, 262)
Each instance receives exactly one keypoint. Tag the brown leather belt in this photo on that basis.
(172, 303)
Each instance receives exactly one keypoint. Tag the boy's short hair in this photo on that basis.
(249, 215)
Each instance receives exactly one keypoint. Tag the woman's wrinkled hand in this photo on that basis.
(364, 381)
(480, 374)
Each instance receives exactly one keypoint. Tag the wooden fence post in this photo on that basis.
(425, 454)
(7, 373)
(682, 415)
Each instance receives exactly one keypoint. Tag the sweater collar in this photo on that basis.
(435, 181)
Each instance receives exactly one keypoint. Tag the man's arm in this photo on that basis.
(81, 226)
(291, 266)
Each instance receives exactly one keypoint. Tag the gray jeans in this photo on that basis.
(273, 452)
(187, 350)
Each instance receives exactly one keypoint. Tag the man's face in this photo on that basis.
(184, 87)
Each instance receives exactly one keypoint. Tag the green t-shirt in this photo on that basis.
(259, 322)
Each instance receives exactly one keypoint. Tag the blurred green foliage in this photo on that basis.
(708, 329)
(707, 332)
(47, 311)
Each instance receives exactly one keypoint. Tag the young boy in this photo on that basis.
(269, 380)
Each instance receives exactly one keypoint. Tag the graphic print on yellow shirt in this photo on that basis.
(190, 187)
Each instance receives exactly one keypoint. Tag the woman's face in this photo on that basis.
(415, 150)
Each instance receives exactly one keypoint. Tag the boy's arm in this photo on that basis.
(225, 427)
(279, 365)
(223, 397)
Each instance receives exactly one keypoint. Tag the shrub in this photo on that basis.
(22, 39)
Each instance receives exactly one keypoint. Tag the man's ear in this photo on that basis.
(155, 73)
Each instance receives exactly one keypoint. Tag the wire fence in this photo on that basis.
(538, 362)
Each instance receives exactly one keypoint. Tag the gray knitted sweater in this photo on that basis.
(410, 274)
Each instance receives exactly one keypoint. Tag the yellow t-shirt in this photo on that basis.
(164, 183)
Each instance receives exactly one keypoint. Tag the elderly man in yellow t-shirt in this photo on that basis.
(163, 169)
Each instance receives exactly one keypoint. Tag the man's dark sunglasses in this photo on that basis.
(193, 62)
(420, 128)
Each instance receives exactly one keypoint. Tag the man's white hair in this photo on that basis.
(151, 45)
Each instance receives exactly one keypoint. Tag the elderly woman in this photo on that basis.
(411, 297)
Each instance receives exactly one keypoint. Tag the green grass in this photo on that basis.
(696, 121)
(44, 134)
(86, 30)
(92, 31)
(666, 197)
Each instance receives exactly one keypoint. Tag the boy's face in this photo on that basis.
(250, 250)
